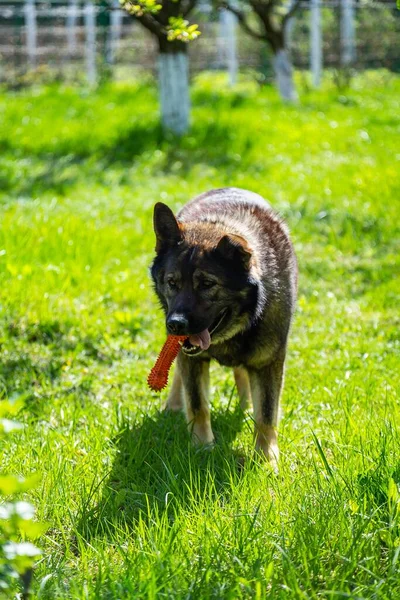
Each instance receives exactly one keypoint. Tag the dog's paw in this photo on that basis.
(270, 457)
(173, 406)
(202, 435)
(273, 461)
(174, 401)
(267, 447)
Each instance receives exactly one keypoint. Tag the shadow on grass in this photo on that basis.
(16, 372)
(29, 364)
(157, 470)
(59, 168)
(59, 173)
(210, 143)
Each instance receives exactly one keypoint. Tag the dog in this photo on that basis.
(225, 273)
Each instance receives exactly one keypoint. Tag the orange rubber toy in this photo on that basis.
(158, 378)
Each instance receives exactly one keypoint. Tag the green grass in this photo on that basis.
(134, 510)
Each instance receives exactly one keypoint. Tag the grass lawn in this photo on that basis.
(133, 510)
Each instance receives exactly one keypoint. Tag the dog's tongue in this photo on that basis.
(201, 339)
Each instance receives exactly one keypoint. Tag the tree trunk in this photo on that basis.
(173, 80)
(284, 75)
(277, 39)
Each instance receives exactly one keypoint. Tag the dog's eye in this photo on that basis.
(172, 284)
(206, 284)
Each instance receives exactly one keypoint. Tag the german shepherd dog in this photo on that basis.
(226, 276)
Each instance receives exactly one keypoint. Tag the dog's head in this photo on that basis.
(203, 279)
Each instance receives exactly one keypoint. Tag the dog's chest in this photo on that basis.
(229, 354)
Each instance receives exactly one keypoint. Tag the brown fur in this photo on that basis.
(226, 263)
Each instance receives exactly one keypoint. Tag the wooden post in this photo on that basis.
(227, 28)
(90, 42)
(31, 32)
(347, 33)
(316, 42)
(116, 19)
(72, 17)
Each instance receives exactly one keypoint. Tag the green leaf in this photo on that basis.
(32, 529)
(179, 29)
(393, 492)
(11, 406)
(140, 8)
(353, 506)
(322, 455)
(10, 484)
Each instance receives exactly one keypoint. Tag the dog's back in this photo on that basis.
(243, 213)
(248, 215)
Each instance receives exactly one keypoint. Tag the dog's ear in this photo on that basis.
(166, 227)
(234, 247)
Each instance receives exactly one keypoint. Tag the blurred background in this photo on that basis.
(71, 40)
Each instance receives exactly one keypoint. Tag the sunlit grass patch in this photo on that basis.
(134, 510)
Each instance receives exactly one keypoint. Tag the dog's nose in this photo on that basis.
(177, 324)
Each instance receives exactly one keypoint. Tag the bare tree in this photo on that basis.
(166, 21)
(269, 25)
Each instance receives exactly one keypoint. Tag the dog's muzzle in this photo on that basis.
(216, 326)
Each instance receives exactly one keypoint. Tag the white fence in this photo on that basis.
(71, 38)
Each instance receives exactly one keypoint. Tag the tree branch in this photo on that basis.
(295, 6)
(264, 11)
(188, 7)
(242, 21)
(151, 24)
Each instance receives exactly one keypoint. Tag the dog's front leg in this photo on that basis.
(243, 386)
(196, 382)
(266, 385)
(175, 400)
